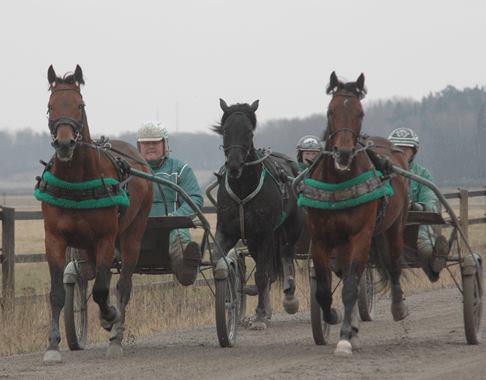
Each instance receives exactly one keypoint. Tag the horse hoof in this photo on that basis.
(257, 325)
(399, 311)
(291, 304)
(108, 324)
(355, 343)
(52, 357)
(343, 348)
(115, 350)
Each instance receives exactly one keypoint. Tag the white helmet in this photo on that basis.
(404, 137)
(153, 131)
(309, 143)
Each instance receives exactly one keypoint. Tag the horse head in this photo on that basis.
(67, 117)
(237, 126)
(344, 118)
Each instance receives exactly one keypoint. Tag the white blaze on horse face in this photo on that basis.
(345, 101)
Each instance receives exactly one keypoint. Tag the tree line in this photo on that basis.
(451, 125)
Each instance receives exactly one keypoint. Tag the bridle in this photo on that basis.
(246, 150)
(76, 125)
(358, 137)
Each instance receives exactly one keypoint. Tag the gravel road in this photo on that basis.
(429, 344)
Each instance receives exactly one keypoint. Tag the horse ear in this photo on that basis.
(78, 75)
(51, 75)
(360, 82)
(333, 83)
(254, 105)
(223, 105)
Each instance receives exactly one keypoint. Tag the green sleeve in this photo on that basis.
(188, 181)
(425, 195)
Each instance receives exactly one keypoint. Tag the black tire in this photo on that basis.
(227, 310)
(76, 314)
(473, 306)
(320, 329)
(366, 295)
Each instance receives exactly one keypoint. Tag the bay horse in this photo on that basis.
(342, 237)
(256, 204)
(77, 160)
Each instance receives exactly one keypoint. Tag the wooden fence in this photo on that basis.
(9, 216)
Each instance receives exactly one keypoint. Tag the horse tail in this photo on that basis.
(380, 259)
(276, 264)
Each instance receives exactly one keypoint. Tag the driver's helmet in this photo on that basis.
(307, 143)
(405, 137)
(153, 131)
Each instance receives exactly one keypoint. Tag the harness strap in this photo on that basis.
(242, 202)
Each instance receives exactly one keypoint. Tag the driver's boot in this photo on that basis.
(185, 259)
(438, 259)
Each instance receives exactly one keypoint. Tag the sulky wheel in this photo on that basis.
(472, 284)
(320, 329)
(366, 295)
(76, 314)
(227, 305)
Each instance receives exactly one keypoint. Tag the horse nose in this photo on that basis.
(64, 144)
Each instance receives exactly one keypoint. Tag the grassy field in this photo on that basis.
(151, 309)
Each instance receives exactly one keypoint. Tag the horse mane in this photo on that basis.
(244, 108)
(350, 88)
(68, 78)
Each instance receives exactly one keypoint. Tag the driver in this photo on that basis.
(153, 144)
(433, 247)
(308, 148)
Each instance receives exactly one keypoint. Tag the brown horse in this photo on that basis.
(342, 237)
(77, 159)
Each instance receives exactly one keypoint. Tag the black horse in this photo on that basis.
(256, 204)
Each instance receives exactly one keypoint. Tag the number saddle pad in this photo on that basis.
(364, 188)
(95, 193)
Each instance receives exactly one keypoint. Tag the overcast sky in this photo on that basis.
(144, 60)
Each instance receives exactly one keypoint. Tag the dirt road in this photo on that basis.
(430, 344)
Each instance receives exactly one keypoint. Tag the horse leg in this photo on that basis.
(223, 244)
(357, 250)
(290, 301)
(105, 250)
(263, 280)
(130, 251)
(55, 251)
(320, 257)
(395, 248)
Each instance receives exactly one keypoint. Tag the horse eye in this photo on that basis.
(49, 107)
(81, 106)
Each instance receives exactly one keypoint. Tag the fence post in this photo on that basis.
(8, 251)
(464, 212)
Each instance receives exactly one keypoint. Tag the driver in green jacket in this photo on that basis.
(153, 144)
(308, 148)
(432, 247)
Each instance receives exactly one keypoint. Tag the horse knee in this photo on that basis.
(261, 278)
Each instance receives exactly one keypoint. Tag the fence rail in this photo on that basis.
(9, 216)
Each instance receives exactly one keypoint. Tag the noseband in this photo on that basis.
(76, 125)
